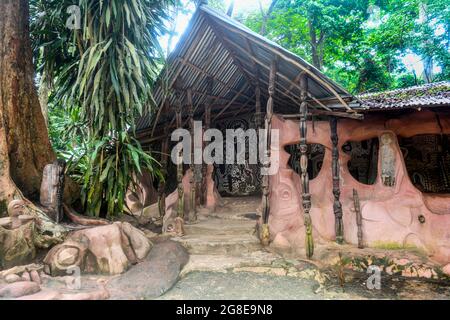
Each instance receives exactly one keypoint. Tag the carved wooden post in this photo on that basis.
(337, 207)
(162, 182)
(358, 218)
(264, 233)
(192, 197)
(306, 196)
(207, 125)
(180, 205)
(52, 189)
(258, 106)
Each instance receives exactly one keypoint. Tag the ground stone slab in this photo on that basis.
(19, 289)
(241, 285)
(152, 277)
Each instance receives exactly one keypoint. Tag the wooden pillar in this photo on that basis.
(258, 114)
(264, 233)
(180, 200)
(192, 197)
(358, 214)
(162, 182)
(306, 196)
(337, 207)
(207, 125)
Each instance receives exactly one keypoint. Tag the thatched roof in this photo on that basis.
(222, 62)
(423, 96)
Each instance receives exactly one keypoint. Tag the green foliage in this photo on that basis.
(117, 67)
(102, 77)
(218, 5)
(359, 43)
(52, 42)
(105, 174)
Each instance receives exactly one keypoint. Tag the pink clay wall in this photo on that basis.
(390, 214)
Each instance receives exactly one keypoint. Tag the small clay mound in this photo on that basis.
(151, 278)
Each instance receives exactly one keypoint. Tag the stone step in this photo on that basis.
(215, 226)
(218, 236)
(232, 245)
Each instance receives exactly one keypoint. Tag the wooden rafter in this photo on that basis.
(200, 70)
(288, 59)
(325, 113)
(292, 83)
(231, 102)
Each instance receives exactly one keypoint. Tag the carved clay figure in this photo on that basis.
(17, 242)
(387, 155)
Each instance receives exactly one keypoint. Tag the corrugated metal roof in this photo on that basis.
(428, 95)
(217, 47)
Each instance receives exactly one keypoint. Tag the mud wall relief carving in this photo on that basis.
(388, 159)
(238, 179)
(402, 217)
(315, 158)
(363, 161)
(427, 160)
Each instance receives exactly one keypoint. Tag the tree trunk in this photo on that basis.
(314, 46)
(266, 16)
(24, 144)
(43, 97)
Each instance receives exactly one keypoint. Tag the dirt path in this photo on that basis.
(228, 262)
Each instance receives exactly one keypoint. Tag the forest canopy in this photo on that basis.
(360, 44)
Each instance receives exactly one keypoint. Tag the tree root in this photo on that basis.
(84, 221)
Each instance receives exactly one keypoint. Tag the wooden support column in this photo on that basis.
(192, 197)
(337, 206)
(162, 182)
(207, 125)
(180, 204)
(358, 214)
(306, 196)
(264, 232)
(258, 114)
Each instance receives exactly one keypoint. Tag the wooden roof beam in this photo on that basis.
(311, 74)
(198, 69)
(231, 102)
(356, 116)
(292, 83)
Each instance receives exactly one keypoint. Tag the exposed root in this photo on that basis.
(81, 220)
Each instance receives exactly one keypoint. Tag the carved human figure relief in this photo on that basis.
(52, 188)
(388, 159)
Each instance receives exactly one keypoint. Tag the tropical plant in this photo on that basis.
(105, 82)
